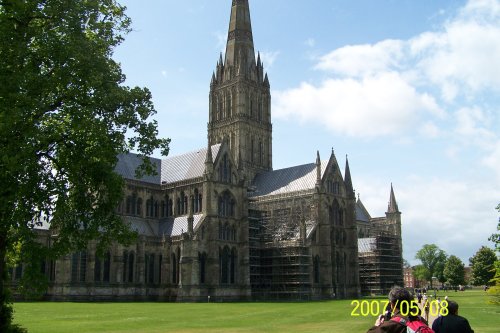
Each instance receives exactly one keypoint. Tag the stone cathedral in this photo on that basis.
(220, 224)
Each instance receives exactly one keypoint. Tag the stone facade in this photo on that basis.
(219, 223)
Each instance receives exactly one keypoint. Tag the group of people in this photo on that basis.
(397, 323)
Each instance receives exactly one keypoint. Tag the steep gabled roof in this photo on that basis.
(293, 179)
(169, 170)
(361, 212)
(128, 163)
(186, 166)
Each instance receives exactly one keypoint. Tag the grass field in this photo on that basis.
(329, 316)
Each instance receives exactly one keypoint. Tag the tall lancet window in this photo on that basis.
(252, 144)
(261, 153)
(228, 105)
(219, 108)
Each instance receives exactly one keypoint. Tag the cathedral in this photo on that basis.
(219, 224)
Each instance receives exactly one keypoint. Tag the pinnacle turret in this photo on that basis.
(348, 179)
(209, 163)
(318, 169)
(393, 205)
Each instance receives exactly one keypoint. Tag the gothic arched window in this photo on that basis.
(316, 269)
(226, 205)
(149, 268)
(224, 265)
(202, 257)
(163, 209)
(149, 207)
(225, 170)
(78, 266)
(196, 201)
(139, 207)
(261, 153)
(129, 204)
(174, 268)
(232, 267)
(170, 207)
(102, 267)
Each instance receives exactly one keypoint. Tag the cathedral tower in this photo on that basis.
(240, 99)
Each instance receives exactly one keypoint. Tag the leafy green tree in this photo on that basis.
(65, 116)
(420, 274)
(495, 238)
(454, 271)
(495, 290)
(483, 266)
(433, 259)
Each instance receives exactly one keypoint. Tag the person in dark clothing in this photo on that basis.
(397, 297)
(452, 323)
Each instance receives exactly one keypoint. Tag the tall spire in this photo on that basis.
(393, 205)
(239, 38)
(348, 180)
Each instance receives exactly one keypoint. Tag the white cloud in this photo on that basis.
(492, 159)
(378, 105)
(381, 88)
(463, 58)
(430, 130)
(362, 60)
(220, 41)
(456, 216)
(472, 123)
(268, 58)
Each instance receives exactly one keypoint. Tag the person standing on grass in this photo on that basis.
(452, 323)
(398, 297)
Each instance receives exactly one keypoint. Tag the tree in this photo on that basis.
(65, 116)
(495, 238)
(495, 290)
(454, 271)
(420, 274)
(483, 266)
(433, 259)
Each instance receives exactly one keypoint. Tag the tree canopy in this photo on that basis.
(433, 260)
(495, 238)
(483, 266)
(454, 271)
(65, 116)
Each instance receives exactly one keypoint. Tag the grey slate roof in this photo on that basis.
(128, 163)
(142, 226)
(169, 170)
(186, 166)
(366, 245)
(175, 226)
(293, 179)
(361, 212)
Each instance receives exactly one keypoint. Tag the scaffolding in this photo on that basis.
(280, 263)
(380, 267)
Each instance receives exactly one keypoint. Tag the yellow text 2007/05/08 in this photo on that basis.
(375, 308)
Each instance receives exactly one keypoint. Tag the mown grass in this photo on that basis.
(330, 316)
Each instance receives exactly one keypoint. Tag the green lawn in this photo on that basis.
(331, 316)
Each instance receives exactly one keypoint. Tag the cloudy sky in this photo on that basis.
(409, 90)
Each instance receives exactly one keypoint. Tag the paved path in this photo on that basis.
(431, 317)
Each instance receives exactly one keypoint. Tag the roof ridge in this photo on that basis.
(191, 152)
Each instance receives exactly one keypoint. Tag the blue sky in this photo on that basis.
(409, 90)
